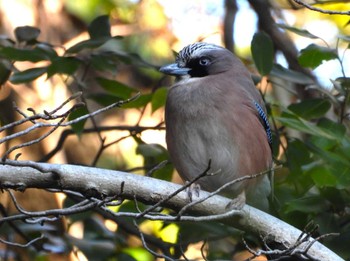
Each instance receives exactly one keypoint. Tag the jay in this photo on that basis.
(214, 113)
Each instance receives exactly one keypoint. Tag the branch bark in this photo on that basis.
(95, 182)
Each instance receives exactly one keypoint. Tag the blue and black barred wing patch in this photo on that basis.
(264, 120)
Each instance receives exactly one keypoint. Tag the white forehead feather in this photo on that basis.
(194, 50)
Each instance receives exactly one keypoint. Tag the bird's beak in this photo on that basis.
(174, 69)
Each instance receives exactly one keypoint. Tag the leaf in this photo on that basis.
(5, 71)
(100, 28)
(116, 88)
(27, 75)
(333, 128)
(290, 75)
(153, 155)
(31, 55)
(103, 98)
(322, 176)
(26, 33)
(159, 98)
(103, 62)
(63, 65)
(298, 31)
(88, 44)
(311, 108)
(293, 121)
(262, 52)
(47, 49)
(313, 55)
(149, 150)
(307, 204)
(79, 126)
(139, 102)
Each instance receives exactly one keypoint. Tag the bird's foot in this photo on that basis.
(193, 190)
(238, 202)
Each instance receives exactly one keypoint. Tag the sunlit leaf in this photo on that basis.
(27, 75)
(313, 55)
(262, 52)
(159, 98)
(138, 253)
(100, 27)
(311, 108)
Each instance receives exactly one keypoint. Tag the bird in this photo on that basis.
(214, 115)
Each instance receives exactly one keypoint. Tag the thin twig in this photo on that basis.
(320, 10)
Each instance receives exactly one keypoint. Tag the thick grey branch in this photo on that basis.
(102, 183)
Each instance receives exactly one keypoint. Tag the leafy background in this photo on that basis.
(118, 57)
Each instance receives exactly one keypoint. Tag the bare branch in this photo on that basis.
(100, 185)
(31, 242)
(320, 10)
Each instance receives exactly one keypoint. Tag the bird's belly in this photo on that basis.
(204, 143)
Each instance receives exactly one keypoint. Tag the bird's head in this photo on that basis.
(200, 60)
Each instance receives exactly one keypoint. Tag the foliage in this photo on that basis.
(312, 185)
(315, 180)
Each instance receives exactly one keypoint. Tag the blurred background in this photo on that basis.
(146, 34)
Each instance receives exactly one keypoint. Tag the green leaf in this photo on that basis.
(139, 102)
(100, 27)
(5, 71)
(103, 98)
(313, 55)
(26, 33)
(311, 108)
(88, 44)
(322, 176)
(262, 52)
(290, 75)
(307, 204)
(332, 128)
(149, 150)
(79, 126)
(116, 88)
(63, 65)
(47, 49)
(298, 31)
(159, 98)
(293, 121)
(27, 75)
(103, 62)
(153, 155)
(31, 55)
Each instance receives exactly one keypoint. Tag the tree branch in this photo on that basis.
(320, 10)
(101, 183)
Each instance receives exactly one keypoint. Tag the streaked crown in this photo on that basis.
(194, 50)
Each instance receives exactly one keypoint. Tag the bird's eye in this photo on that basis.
(204, 61)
